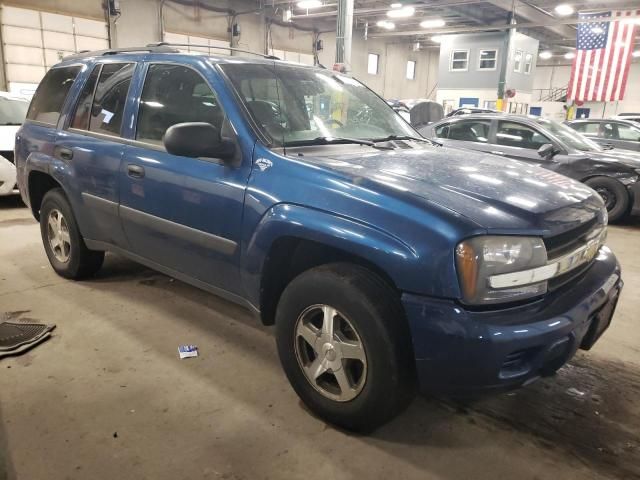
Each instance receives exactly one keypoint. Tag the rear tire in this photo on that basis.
(366, 360)
(614, 195)
(63, 243)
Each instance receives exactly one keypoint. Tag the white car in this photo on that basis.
(13, 110)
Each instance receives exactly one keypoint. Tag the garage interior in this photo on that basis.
(107, 397)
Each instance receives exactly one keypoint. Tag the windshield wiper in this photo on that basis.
(407, 137)
(329, 141)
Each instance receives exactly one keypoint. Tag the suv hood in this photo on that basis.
(500, 195)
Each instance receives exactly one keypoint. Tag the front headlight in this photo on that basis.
(480, 258)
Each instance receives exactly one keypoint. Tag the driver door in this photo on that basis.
(179, 212)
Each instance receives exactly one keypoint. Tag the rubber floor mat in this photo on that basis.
(17, 337)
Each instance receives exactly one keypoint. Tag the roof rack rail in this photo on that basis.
(231, 49)
(115, 51)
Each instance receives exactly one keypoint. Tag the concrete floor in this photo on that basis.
(107, 398)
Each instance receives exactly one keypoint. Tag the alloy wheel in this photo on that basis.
(58, 236)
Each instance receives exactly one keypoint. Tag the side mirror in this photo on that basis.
(197, 139)
(547, 151)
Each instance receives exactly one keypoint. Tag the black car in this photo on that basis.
(549, 144)
(610, 132)
(469, 110)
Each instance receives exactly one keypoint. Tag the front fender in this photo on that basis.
(389, 253)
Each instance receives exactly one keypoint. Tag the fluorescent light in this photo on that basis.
(396, 5)
(309, 4)
(570, 55)
(401, 12)
(433, 23)
(436, 38)
(636, 54)
(386, 24)
(564, 9)
(546, 55)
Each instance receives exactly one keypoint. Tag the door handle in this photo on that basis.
(135, 171)
(64, 153)
(497, 152)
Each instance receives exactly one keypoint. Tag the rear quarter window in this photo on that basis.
(51, 94)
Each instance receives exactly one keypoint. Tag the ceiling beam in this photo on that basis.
(534, 15)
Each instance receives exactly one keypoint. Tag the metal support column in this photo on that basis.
(502, 82)
(344, 29)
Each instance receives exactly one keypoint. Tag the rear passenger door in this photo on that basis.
(182, 213)
(92, 146)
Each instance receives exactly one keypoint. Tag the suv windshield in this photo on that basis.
(12, 111)
(296, 105)
(568, 135)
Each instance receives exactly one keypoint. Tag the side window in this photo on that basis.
(174, 94)
(49, 99)
(442, 131)
(511, 134)
(110, 98)
(83, 108)
(627, 132)
(470, 131)
(610, 131)
(588, 128)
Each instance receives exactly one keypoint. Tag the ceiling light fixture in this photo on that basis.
(636, 54)
(433, 23)
(570, 55)
(401, 12)
(564, 9)
(396, 5)
(386, 24)
(307, 4)
(546, 55)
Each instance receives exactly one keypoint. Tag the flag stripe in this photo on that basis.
(595, 70)
(615, 38)
(625, 61)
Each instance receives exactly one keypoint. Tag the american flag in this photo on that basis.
(603, 56)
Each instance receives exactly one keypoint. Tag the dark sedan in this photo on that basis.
(612, 173)
(610, 132)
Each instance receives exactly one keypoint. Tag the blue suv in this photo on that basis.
(387, 263)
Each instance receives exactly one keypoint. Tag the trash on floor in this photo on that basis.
(18, 337)
(186, 351)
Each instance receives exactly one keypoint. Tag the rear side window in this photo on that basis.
(470, 131)
(175, 94)
(49, 99)
(83, 109)
(110, 98)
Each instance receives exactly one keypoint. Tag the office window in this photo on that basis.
(528, 61)
(411, 70)
(517, 61)
(459, 61)
(488, 60)
(372, 64)
(110, 98)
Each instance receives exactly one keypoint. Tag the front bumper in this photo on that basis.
(459, 351)
(634, 192)
(7, 177)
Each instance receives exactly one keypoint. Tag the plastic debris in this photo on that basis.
(187, 351)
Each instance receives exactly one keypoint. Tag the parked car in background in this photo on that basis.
(610, 132)
(384, 261)
(549, 144)
(13, 110)
(634, 117)
(470, 110)
(418, 112)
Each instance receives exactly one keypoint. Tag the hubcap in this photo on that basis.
(608, 197)
(58, 236)
(330, 353)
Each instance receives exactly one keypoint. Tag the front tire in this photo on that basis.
(63, 243)
(614, 195)
(345, 347)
